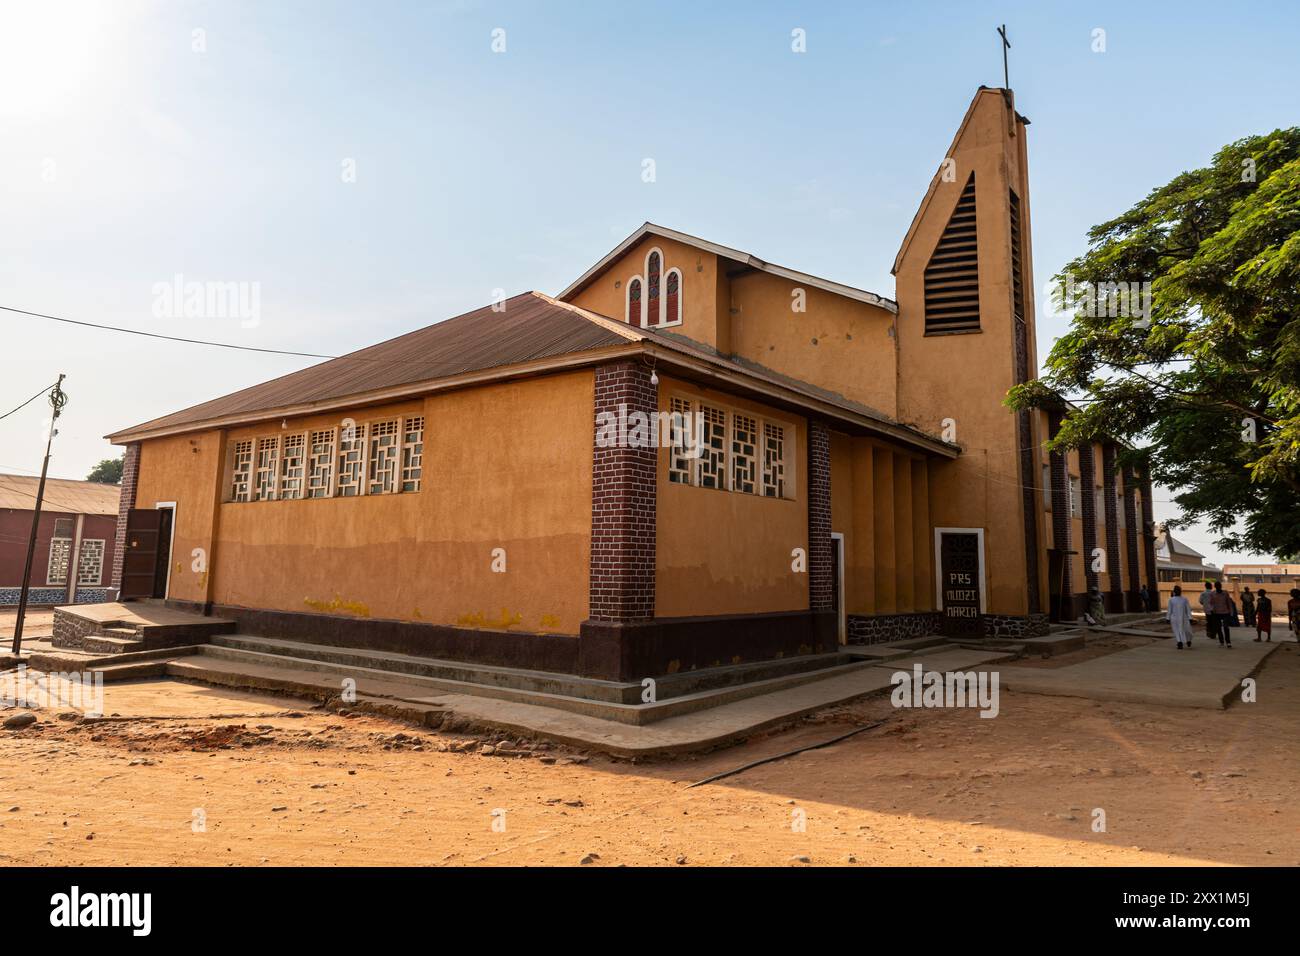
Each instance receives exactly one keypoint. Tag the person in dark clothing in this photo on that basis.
(1248, 607)
(1263, 617)
(1220, 606)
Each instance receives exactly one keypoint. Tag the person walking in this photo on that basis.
(1221, 608)
(1293, 612)
(1248, 607)
(1210, 631)
(1263, 617)
(1179, 617)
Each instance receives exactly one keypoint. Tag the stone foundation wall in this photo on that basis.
(1006, 625)
(47, 596)
(881, 628)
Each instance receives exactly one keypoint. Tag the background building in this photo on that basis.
(1178, 563)
(76, 530)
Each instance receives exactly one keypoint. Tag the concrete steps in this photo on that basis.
(105, 644)
(322, 676)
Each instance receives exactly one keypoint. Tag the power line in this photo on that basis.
(26, 403)
(169, 338)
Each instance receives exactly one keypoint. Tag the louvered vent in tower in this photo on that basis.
(952, 293)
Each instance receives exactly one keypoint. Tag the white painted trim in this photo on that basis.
(627, 301)
(843, 623)
(650, 229)
(663, 299)
(938, 567)
(171, 543)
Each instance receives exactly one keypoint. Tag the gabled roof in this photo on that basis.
(1170, 548)
(532, 334)
(528, 327)
(62, 495)
(744, 258)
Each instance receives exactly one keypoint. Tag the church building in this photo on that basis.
(688, 458)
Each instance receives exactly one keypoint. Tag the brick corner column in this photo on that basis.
(1115, 592)
(1061, 517)
(820, 583)
(623, 495)
(1088, 507)
(125, 502)
(1133, 601)
(1149, 540)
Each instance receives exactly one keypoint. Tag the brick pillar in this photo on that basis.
(1149, 540)
(1115, 593)
(1061, 518)
(125, 502)
(820, 583)
(1133, 600)
(622, 582)
(1087, 482)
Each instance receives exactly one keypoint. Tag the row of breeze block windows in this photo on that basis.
(370, 458)
(716, 447)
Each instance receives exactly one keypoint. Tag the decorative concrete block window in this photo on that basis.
(1047, 487)
(320, 464)
(352, 461)
(774, 461)
(60, 554)
(713, 454)
(381, 475)
(412, 453)
(293, 461)
(268, 464)
(63, 527)
(1119, 507)
(242, 470)
(90, 565)
(680, 463)
(1076, 497)
(744, 454)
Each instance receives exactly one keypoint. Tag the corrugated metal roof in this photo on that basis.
(61, 494)
(531, 326)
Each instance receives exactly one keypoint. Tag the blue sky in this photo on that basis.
(129, 157)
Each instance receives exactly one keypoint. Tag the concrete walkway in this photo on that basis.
(1207, 675)
(700, 730)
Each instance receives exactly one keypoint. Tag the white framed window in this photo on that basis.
(670, 312)
(712, 464)
(381, 464)
(412, 453)
(241, 470)
(320, 464)
(1076, 497)
(744, 453)
(267, 469)
(293, 467)
(635, 304)
(681, 465)
(1119, 507)
(774, 460)
(351, 462)
(60, 555)
(90, 565)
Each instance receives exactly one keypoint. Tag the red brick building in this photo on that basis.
(77, 529)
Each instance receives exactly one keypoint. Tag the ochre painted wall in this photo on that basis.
(725, 552)
(837, 343)
(607, 294)
(505, 466)
(880, 503)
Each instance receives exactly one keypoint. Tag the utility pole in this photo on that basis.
(58, 398)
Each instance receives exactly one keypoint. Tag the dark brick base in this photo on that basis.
(636, 650)
(1013, 626)
(882, 628)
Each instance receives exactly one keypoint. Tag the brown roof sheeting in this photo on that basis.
(531, 326)
(62, 495)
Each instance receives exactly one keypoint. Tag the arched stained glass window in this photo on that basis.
(672, 297)
(653, 266)
(634, 303)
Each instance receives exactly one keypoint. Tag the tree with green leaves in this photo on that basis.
(1185, 342)
(108, 471)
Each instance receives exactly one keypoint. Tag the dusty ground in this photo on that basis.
(276, 782)
(37, 622)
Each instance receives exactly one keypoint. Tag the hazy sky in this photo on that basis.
(134, 149)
